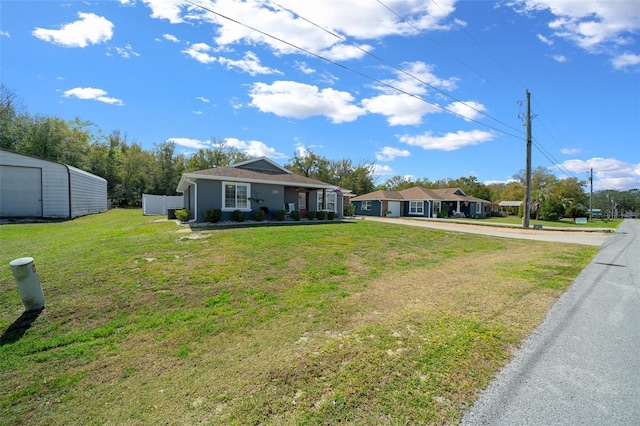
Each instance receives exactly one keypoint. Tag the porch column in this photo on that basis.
(324, 199)
(458, 208)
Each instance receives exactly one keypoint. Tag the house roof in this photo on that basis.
(419, 193)
(379, 195)
(258, 170)
(510, 203)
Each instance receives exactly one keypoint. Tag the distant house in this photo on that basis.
(255, 184)
(509, 207)
(420, 202)
(35, 187)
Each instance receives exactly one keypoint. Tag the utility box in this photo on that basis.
(24, 271)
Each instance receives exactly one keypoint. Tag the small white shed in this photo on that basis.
(34, 187)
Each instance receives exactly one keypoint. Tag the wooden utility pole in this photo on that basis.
(591, 196)
(527, 195)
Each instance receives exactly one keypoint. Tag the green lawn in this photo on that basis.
(362, 322)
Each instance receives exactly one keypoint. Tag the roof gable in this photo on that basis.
(261, 164)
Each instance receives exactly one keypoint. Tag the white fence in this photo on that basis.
(159, 204)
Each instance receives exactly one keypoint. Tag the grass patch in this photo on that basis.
(563, 223)
(362, 323)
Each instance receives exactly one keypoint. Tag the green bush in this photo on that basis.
(295, 215)
(349, 210)
(238, 216)
(331, 215)
(280, 215)
(311, 214)
(183, 215)
(213, 215)
(321, 215)
(259, 215)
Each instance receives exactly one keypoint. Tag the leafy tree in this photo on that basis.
(167, 168)
(221, 155)
(551, 209)
(11, 119)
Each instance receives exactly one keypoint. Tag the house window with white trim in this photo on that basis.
(478, 208)
(416, 207)
(236, 195)
(330, 201)
(366, 205)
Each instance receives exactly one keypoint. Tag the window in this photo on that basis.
(478, 208)
(416, 207)
(366, 205)
(330, 201)
(236, 195)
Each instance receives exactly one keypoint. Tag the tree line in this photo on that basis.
(131, 170)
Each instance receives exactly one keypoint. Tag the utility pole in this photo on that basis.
(591, 196)
(527, 196)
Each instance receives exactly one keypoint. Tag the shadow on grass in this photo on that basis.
(19, 327)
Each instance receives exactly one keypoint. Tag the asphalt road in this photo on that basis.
(581, 366)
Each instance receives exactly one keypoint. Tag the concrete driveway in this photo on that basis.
(558, 236)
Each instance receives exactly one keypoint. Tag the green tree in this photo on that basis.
(219, 156)
(167, 168)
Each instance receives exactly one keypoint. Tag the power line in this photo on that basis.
(361, 74)
(392, 65)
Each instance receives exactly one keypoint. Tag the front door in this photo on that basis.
(302, 203)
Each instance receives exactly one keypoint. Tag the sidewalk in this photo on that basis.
(581, 366)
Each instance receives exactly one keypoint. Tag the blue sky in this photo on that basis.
(422, 88)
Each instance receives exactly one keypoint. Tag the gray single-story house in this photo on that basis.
(420, 202)
(255, 184)
(39, 188)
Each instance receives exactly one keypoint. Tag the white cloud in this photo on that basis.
(297, 100)
(249, 64)
(353, 20)
(189, 143)
(625, 60)
(202, 99)
(559, 58)
(378, 170)
(199, 52)
(254, 148)
(469, 110)
(448, 142)
(4, 33)
(89, 29)
(127, 51)
(166, 9)
(304, 68)
(596, 26)
(389, 153)
(570, 151)
(198, 112)
(610, 173)
(90, 93)
(415, 79)
(400, 109)
(171, 38)
(545, 40)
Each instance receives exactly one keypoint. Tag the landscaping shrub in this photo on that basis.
(238, 216)
(213, 215)
(259, 215)
(331, 215)
(183, 215)
(280, 215)
(321, 215)
(311, 214)
(350, 210)
(295, 215)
